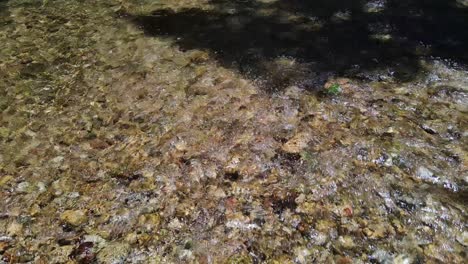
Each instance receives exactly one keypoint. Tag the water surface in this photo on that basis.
(197, 131)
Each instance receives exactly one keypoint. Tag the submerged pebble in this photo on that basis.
(74, 217)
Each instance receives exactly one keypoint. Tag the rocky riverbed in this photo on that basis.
(266, 131)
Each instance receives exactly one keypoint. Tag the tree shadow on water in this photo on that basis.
(303, 42)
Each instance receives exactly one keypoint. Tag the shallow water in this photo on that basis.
(199, 131)
(322, 37)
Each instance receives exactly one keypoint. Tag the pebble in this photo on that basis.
(150, 221)
(402, 259)
(74, 217)
(463, 238)
(297, 143)
(346, 242)
(425, 174)
(14, 229)
(113, 253)
(5, 179)
(60, 254)
(23, 187)
(98, 241)
(58, 159)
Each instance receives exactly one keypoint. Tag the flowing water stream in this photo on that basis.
(247, 131)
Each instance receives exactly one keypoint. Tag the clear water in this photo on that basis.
(198, 131)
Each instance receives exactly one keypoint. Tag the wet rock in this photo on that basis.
(302, 255)
(149, 221)
(25, 187)
(98, 241)
(4, 245)
(463, 3)
(294, 92)
(41, 187)
(198, 56)
(99, 144)
(463, 238)
(382, 256)
(181, 61)
(425, 174)
(14, 229)
(4, 132)
(402, 259)
(318, 238)
(217, 192)
(378, 231)
(58, 159)
(84, 253)
(74, 217)
(5, 180)
(114, 253)
(240, 259)
(341, 16)
(346, 242)
(296, 144)
(375, 6)
(131, 238)
(175, 224)
(382, 38)
(347, 211)
(399, 228)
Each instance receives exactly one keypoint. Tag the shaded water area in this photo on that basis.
(249, 131)
(323, 37)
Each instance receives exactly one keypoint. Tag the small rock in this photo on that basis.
(346, 242)
(84, 253)
(35, 210)
(425, 174)
(302, 254)
(462, 3)
(4, 132)
(5, 179)
(463, 238)
(374, 6)
(131, 238)
(294, 92)
(74, 217)
(300, 199)
(61, 254)
(217, 192)
(24, 187)
(318, 238)
(402, 259)
(381, 256)
(58, 159)
(175, 224)
(114, 253)
(377, 231)
(98, 241)
(149, 221)
(4, 245)
(181, 61)
(98, 144)
(41, 186)
(347, 211)
(341, 16)
(297, 143)
(14, 229)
